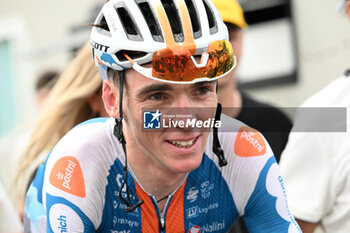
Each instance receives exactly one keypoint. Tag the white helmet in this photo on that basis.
(138, 28)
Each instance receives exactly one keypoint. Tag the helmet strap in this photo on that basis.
(118, 133)
(216, 143)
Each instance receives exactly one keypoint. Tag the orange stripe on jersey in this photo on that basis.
(165, 25)
(175, 212)
(149, 217)
(249, 143)
(187, 27)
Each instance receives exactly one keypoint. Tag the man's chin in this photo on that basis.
(187, 165)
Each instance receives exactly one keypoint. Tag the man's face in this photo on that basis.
(347, 8)
(178, 150)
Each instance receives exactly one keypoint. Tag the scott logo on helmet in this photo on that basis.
(100, 47)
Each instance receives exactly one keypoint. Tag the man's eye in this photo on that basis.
(203, 90)
(156, 96)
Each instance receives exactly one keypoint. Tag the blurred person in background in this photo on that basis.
(9, 219)
(76, 97)
(11, 147)
(13, 144)
(269, 120)
(43, 87)
(316, 166)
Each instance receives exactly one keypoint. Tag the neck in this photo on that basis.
(150, 173)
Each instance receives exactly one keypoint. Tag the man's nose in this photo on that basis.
(183, 101)
(184, 107)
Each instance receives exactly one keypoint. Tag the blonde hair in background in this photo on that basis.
(66, 107)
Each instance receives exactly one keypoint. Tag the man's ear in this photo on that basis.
(110, 99)
(347, 8)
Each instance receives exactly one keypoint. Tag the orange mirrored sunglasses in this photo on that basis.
(178, 65)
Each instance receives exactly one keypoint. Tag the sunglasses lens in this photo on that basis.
(220, 58)
(171, 64)
(178, 65)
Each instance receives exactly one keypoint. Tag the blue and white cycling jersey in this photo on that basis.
(76, 190)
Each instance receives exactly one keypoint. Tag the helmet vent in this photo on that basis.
(152, 24)
(174, 19)
(192, 10)
(132, 32)
(132, 54)
(103, 24)
(211, 19)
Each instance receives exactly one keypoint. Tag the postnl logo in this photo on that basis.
(249, 143)
(66, 175)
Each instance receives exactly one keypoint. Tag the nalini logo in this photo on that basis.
(67, 175)
(62, 226)
(195, 229)
(151, 120)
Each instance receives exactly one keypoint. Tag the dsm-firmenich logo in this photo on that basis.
(151, 120)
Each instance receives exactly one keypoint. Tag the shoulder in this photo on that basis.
(240, 140)
(83, 138)
(86, 146)
(76, 171)
(336, 93)
(248, 154)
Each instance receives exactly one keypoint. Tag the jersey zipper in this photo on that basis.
(162, 214)
(162, 221)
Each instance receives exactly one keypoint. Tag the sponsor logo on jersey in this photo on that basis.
(151, 120)
(195, 229)
(196, 210)
(209, 227)
(192, 194)
(117, 221)
(67, 175)
(249, 143)
(62, 219)
(192, 212)
(62, 226)
(206, 188)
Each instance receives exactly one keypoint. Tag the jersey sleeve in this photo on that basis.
(255, 182)
(75, 180)
(267, 209)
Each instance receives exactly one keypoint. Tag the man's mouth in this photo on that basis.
(183, 144)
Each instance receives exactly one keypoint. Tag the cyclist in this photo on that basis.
(111, 175)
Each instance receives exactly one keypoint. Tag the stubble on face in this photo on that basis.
(153, 148)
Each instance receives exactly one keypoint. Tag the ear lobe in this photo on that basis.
(110, 99)
(347, 8)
